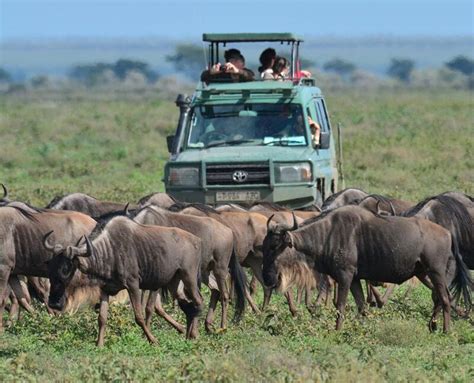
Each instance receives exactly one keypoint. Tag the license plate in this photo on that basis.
(238, 196)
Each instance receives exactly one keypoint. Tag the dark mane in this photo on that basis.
(332, 197)
(55, 200)
(416, 209)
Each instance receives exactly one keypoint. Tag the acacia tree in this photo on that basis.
(401, 69)
(461, 64)
(188, 59)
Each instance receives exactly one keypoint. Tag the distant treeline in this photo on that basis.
(187, 60)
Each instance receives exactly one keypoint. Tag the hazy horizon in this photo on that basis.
(188, 19)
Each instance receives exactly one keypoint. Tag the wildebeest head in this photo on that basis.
(4, 200)
(62, 267)
(278, 238)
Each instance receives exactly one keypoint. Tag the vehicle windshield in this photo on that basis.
(246, 124)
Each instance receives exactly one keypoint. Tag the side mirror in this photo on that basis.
(324, 140)
(169, 142)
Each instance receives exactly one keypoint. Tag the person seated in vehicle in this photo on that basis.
(267, 59)
(233, 70)
(297, 128)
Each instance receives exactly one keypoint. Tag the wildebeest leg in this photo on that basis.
(103, 313)
(388, 293)
(251, 302)
(307, 299)
(149, 306)
(212, 307)
(343, 286)
(162, 313)
(190, 309)
(291, 304)
(299, 295)
(41, 291)
(136, 301)
(358, 294)
(221, 276)
(376, 299)
(370, 293)
(4, 291)
(23, 297)
(440, 290)
(253, 285)
(14, 308)
(256, 267)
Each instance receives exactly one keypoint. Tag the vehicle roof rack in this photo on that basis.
(249, 37)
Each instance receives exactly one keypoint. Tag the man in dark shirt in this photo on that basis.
(232, 71)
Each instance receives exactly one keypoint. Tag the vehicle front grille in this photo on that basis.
(224, 174)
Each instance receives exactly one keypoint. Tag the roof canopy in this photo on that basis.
(249, 37)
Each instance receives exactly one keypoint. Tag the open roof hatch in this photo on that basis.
(215, 39)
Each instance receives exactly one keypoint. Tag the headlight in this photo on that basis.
(183, 176)
(297, 172)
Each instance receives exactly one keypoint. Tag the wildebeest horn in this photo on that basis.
(89, 248)
(125, 210)
(295, 224)
(5, 191)
(268, 221)
(48, 246)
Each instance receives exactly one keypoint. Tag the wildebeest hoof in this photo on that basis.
(432, 326)
(221, 330)
(152, 340)
(210, 329)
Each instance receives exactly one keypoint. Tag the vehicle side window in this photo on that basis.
(322, 116)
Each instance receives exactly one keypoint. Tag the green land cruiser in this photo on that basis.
(248, 141)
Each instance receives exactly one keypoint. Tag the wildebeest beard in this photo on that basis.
(274, 245)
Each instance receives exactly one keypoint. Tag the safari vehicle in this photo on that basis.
(248, 141)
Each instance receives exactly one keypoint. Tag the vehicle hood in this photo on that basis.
(246, 153)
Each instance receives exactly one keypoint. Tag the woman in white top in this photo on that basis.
(267, 59)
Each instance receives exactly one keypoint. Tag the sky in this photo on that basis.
(188, 19)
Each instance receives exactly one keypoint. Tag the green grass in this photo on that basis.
(406, 144)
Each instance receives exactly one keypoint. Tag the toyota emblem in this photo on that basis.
(240, 176)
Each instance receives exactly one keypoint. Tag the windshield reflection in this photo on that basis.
(246, 124)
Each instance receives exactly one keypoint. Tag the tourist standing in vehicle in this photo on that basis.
(280, 69)
(233, 70)
(267, 59)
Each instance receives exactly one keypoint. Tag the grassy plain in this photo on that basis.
(407, 144)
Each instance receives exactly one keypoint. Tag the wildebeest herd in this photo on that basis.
(79, 250)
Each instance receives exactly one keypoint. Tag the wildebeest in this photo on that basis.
(21, 232)
(218, 255)
(354, 196)
(352, 243)
(127, 255)
(163, 200)
(85, 204)
(448, 212)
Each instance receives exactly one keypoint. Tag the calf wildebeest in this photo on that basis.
(124, 254)
(85, 204)
(218, 255)
(352, 243)
(21, 232)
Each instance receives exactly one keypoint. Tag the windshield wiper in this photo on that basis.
(282, 142)
(230, 142)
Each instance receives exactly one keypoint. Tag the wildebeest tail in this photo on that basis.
(240, 281)
(462, 283)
